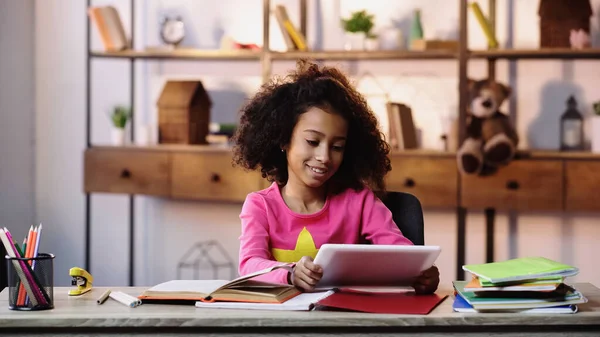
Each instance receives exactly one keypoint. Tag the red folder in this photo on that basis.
(407, 303)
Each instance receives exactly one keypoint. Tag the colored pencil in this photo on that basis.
(19, 265)
(41, 296)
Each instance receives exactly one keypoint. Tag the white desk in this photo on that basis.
(82, 316)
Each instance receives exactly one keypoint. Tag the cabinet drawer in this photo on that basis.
(432, 180)
(582, 185)
(211, 176)
(522, 185)
(125, 171)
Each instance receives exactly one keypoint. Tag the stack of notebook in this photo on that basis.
(531, 284)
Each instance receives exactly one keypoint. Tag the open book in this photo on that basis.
(378, 302)
(303, 302)
(242, 289)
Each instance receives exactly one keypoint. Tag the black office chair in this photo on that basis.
(407, 214)
(3, 271)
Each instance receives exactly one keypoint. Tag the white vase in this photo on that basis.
(391, 39)
(117, 136)
(354, 41)
(143, 135)
(371, 44)
(595, 134)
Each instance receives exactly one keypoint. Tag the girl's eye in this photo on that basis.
(338, 148)
(312, 142)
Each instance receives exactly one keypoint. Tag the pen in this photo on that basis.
(104, 296)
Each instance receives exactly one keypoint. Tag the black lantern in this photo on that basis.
(571, 128)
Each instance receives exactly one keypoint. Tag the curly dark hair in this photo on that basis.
(267, 122)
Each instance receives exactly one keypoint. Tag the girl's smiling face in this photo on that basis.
(316, 148)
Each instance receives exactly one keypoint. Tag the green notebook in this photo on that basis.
(525, 268)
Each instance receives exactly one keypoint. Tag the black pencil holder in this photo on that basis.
(30, 282)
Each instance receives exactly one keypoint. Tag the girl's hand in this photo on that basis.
(306, 274)
(428, 281)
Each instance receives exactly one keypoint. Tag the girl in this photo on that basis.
(314, 137)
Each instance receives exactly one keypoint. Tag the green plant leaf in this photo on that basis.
(359, 21)
(120, 116)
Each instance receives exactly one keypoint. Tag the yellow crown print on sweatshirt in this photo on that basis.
(305, 246)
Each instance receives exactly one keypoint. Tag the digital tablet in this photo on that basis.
(373, 265)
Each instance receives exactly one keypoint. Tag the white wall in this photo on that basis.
(60, 127)
(17, 133)
(166, 229)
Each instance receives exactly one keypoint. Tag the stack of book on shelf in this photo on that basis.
(527, 285)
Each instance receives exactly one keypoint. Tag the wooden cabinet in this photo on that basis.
(524, 185)
(211, 176)
(198, 174)
(205, 173)
(432, 180)
(118, 170)
(582, 185)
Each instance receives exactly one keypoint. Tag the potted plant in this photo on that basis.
(358, 31)
(119, 118)
(595, 135)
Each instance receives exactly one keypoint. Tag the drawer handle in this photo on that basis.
(125, 174)
(215, 178)
(409, 182)
(512, 185)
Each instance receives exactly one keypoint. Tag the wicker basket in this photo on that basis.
(559, 17)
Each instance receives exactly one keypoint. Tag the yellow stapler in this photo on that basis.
(82, 279)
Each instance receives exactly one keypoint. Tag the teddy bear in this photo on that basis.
(491, 140)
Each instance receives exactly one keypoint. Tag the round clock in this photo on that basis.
(172, 31)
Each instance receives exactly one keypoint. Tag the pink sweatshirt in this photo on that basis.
(272, 234)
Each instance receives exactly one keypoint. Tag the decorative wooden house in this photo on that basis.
(559, 17)
(183, 113)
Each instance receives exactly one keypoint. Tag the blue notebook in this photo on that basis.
(461, 305)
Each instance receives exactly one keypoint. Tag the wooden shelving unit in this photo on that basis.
(204, 54)
(181, 54)
(536, 54)
(536, 181)
(364, 55)
(521, 154)
(232, 55)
